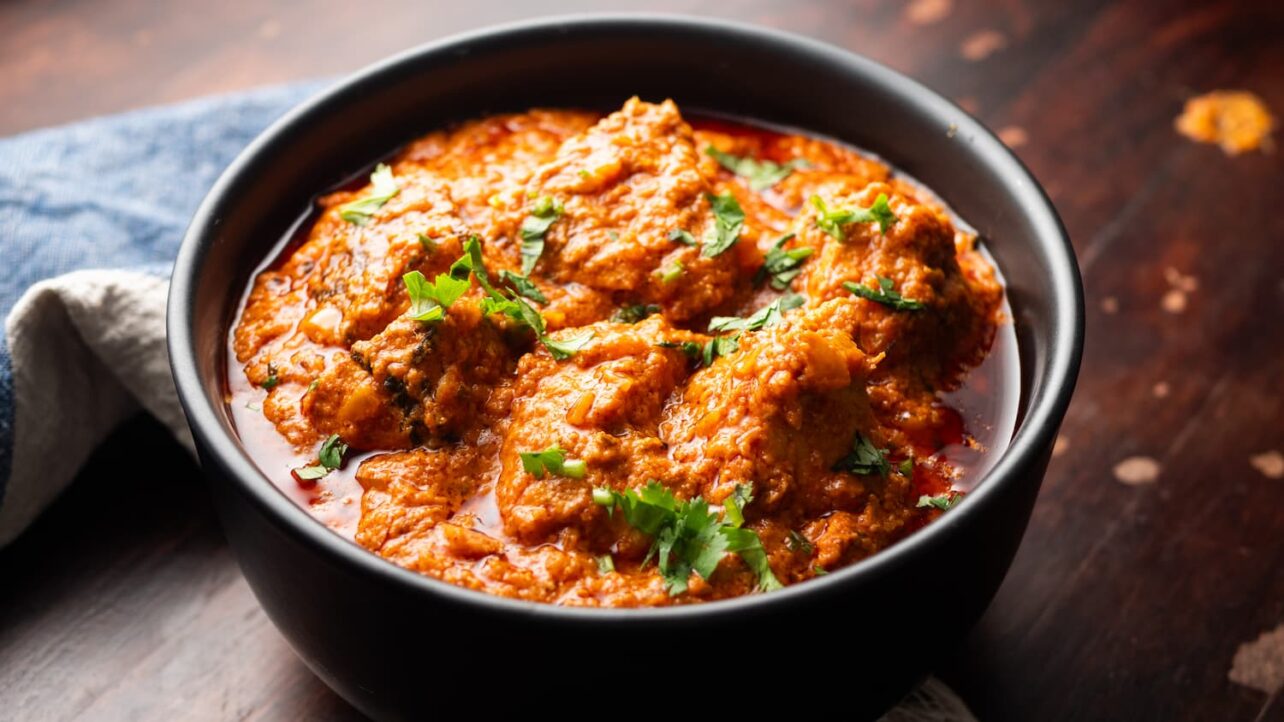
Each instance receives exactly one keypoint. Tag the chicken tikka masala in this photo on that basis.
(620, 360)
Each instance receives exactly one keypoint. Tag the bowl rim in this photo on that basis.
(1033, 435)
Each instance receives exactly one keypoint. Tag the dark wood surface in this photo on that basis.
(1127, 601)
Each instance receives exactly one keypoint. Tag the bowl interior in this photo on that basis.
(737, 70)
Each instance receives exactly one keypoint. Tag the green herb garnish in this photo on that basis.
(765, 317)
(330, 457)
(272, 380)
(906, 467)
(429, 301)
(634, 313)
(360, 211)
(733, 508)
(605, 564)
(864, 458)
(728, 219)
(884, 294)
(944, 502)
(687, 535)
(524, 286)
(428, 244)
(798, 543)
(832, 221)
(511, 305)
(543, 213)
(670, 274)
(552, 461)
(760, 174)
(783, 266)
(678, 235)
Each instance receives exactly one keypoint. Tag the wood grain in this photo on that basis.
(1125, 602)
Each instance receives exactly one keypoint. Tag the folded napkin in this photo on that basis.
(91, 216)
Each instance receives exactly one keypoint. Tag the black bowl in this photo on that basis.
(399, 645)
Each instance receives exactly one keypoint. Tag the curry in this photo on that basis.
(624, 359)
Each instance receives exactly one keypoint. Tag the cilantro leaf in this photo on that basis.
(781, 265)
(524, 286)
(687, 536)
(678, 235)
(864, 458)
(429, 301)
(799, 543)
(511, 305)
(670, 274)
(721, 346)
(765, 317)
(728, 219)
(272, 379)
(734, 505)
(944, 502)
(329, 456)
(566, 348)
(760, 174)
(747, 544)
(543, 213)
(360, 211)
(634, 313)
(884, 294)
(332, 451)
(552, 461)
(831, 221)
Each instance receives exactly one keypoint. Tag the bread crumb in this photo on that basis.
(1014, 136)
(983, 44)
(1270, 463)
(1137, 470)
(1174, 301)
(1237, 120)
(1259, 664)
(926, 12)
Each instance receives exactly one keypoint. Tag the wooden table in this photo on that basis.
(1127, 600)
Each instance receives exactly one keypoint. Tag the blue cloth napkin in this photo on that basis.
(109, 193)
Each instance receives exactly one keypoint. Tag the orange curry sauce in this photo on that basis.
(436, 413)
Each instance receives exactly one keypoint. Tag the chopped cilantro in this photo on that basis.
(543, 213)
(552, 461)
(832, 221)
(733, 508)
(728, 219)
(687, 535)
(670, 274)
(765, 317)
(511, 305)
(781, 265)
(429, 301)
(760, 174)
(272, 380)
(906, 467)
(524, 286)
(884, 294)
(678, 235)
(720, 346)
(429, 245)
(944, 502)
(634, 313)
(360, 211)
(864, 458)
(819, 571)
(798, 543)
(332, 451)
(330, 456)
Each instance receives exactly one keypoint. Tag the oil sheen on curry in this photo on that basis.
(625, 360)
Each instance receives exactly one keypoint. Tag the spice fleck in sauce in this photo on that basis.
(624, 359)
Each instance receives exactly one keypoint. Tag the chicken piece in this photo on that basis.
(413, 382)
(602, 407)
(953, 324)
(625, 185)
